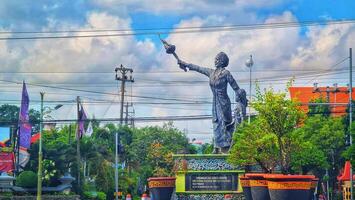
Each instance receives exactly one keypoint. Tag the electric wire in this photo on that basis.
(301, 23)
(191, 30)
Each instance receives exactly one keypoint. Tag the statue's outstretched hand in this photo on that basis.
(183, 65)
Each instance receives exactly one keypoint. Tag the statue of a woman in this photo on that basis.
(223, 123)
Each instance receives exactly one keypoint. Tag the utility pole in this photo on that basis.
(123, 77)
(129, 114)
(351, 113)
(40, 154)
(126, 118)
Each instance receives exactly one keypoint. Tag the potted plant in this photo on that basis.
(270, 142)
(162, 184)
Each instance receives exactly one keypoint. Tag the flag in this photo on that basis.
(89, 130)
(35, 137)
(7, 162)
(25, 126)
(81, 122)
(24, 157)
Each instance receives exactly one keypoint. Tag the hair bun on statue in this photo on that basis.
(223, 59)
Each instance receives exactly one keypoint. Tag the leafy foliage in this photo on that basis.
(254, 145)
(27, 179)
(167, 139)
(323, 110)
(137, 152)
(280, 117)
(9, 115)
(282, 135)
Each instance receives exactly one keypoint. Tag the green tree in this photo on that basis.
(59, 148)
(280, 116)
(9, 115)
(170, 139)
(254, 145)
(319, 109)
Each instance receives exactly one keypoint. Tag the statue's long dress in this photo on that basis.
(223, 125)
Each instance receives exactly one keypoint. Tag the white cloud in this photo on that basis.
(185, 6)
(324, 47)
(271, 48)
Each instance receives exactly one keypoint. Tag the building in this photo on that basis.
(337, 95)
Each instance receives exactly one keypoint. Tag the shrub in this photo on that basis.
(90, 195)
(27, 179)
(95, 195)
(101, 196)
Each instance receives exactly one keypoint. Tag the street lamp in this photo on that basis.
(249, 63)
(40, 153)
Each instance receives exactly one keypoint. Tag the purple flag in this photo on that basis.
(81, 121)
(25, 126)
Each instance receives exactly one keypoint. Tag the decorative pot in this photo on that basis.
(161, 188)
(289, 187)
(245, 182)
(258, 186)
(314, 185)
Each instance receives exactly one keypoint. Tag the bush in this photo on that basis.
(101, 196)
(27, 179)
(90, 195)
(94, 195)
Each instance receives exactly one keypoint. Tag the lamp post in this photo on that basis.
(116, 166)
(249, 63)
(39, 174)
(40, 152)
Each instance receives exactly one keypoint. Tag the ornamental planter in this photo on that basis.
(314, 185)
(289, 187)
(161, 188)
(258, 186)
(245, 182)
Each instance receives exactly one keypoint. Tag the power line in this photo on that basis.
(302, 23)
(186, 30)
(97, 92)
(138, 119)
(267, 78)
(262, 70)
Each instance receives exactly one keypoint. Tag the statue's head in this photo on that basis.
(221, 60)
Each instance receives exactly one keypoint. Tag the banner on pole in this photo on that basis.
(25, 126)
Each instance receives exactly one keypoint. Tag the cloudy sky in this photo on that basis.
(64, 68)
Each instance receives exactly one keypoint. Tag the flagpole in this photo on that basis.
(40, 153)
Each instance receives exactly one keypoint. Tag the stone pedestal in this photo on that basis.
(206, 177)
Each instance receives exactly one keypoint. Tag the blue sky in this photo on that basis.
(4, 133)
(279, 53)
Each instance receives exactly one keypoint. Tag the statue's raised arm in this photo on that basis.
(203, 70)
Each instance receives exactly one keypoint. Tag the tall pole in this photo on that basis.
(249, 63)
(351, 113)
(116, 166)
(327, 174)
(123, 78)
(40, 153)
(249, 94)
(126, 117)
(122, 95)
(78, 141)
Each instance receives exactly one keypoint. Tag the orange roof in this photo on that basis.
(306, 94)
